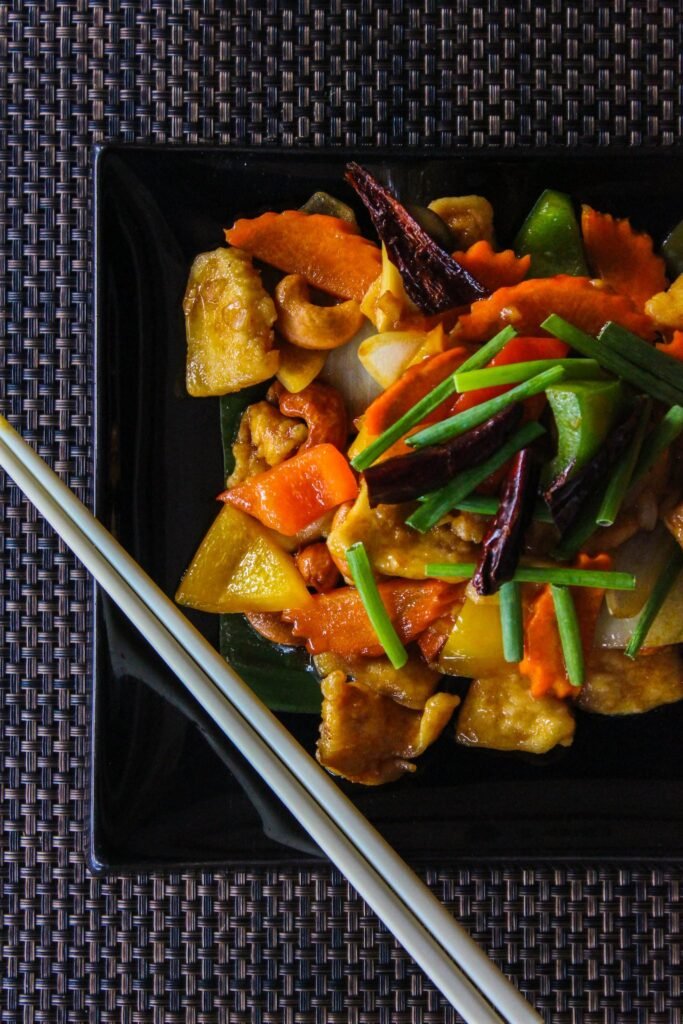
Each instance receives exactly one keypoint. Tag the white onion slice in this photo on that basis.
(645, 556)
(385, 356)
(343, 371)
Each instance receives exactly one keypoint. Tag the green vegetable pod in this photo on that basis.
(330, 206)
(585, 411)
(551, 236)
(672, 250)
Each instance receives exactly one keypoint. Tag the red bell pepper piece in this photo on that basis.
(293, 494)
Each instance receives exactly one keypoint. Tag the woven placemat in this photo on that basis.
(590, 944)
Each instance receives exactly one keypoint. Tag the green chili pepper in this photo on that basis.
(672, 250)
(585, 411)
(551, 236)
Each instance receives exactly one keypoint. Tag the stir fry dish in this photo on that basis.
(459, 486)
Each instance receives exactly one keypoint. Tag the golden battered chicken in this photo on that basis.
(368, 738)
(265, 438)
(499, 713)
(411, 685)
(617, 685)
(395, 549)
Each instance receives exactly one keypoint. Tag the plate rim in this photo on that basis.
(319, 155)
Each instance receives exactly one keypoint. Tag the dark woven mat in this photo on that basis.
(587, 944)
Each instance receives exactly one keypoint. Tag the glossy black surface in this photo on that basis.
(166, 789)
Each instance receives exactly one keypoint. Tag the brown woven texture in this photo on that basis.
(590, 944)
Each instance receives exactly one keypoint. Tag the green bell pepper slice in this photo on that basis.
(551, 236)
(585, 411)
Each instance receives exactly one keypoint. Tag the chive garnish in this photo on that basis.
(513, 373)
(664, 583)
(620, 480)
(486, 353)
(470, 418)
(430, 402)
(659, 439)
(442, 501)
(570, 634)
(511, 621)
(613, 361)
(584, 527)
(484, 505)
(361, 573)
(567, 577)
(403, 424)
(642, 354)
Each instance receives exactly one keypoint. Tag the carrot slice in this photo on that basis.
(414, 384)
(493, 269)
(327, 251)
(622, 257)
(337, 621)
(526, 305)
(543, 661)
(673, 348)
(295, 493)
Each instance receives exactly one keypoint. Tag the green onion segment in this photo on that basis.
(486, 353)
(641, 353)
(439, 394)
(362, 575)
(620, 479)
(570, 634)
(664, 583)
(469, 418)
(659, 439)
(513, 373)
(485, 505)
(542, 574)
(615, 362)
(511, 624)
(404, 423)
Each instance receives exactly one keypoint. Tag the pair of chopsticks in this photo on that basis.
(442, 948)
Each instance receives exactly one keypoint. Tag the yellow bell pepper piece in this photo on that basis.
(393, 303)
(385, 301)
(299, 366)
(229, 320)
(475, 645)
(240, 567)
(368, 306)
(666, 308)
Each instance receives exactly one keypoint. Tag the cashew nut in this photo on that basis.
(302, 323)
(321, 407)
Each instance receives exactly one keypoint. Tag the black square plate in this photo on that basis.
(166, 789)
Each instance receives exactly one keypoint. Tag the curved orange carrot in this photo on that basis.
(622, 257)
(543, 661)
(327, 251)
(411, 386)
(525, 306)
(337, 621)
(493, 269)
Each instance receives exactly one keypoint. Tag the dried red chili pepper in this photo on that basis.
(502, 544)
(431, 277)
(407, 477)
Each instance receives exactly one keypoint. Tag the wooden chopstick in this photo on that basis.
(442, 948)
